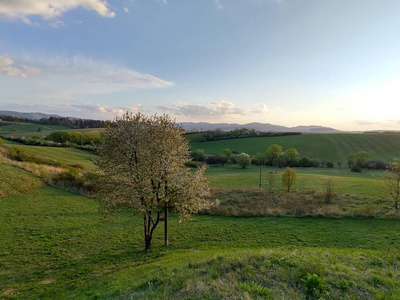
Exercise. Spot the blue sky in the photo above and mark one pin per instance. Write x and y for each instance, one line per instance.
(286, 62)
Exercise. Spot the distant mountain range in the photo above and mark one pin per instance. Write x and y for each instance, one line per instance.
(30, 116)
(264, 127)
(202, 126)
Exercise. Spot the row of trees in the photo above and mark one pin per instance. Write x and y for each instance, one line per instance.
(273, 156)
(362, 160)
(62, 121)
(216, 135)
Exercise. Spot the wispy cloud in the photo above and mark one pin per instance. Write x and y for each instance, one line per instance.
(218, 3)
(367, 123)
(126, 9)
(8, 67)
(21, 10)
(217, 109)
(79, 75)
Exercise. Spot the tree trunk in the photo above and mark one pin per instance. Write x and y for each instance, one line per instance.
(166, 224)
(147, 234)
(147, 242)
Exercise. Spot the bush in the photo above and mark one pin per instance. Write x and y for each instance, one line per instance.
(212, 160)
(1, 141)
(305, 162)
(315, 286)
(193, 164)
(198, 155)
(222, 159)
(329, 164)
(356, 169)
(377, 165)
(244, 160)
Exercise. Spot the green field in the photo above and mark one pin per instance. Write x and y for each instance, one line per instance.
(346, 182)
(332, 147)
(55, 245)
(22, 128)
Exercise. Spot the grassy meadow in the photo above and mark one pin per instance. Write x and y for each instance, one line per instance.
(55, 245)
(29, 128)
(66, 156)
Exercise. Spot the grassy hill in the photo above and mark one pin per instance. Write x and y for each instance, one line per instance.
(333, 147)
(55, 245)
(66, 156)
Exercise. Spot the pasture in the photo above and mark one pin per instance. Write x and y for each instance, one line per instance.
(55, 245)
(31, 128)
(331, 147)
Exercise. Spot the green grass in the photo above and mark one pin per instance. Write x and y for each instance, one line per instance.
(332, 147)
(68, 156)
(19, 128)
(14, 181)
(55, 246)
(309, 179)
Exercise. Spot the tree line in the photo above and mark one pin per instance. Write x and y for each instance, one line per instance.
(74, 123)
(217, 135)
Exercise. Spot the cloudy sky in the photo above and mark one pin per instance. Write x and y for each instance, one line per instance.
(286, 62)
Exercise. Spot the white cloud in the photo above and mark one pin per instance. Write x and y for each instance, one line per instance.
(126, 9)
(79, 75)
(220, 108)
(8, 67)
(49, 9)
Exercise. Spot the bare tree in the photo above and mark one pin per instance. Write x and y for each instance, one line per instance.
(329, 192)
(142, 168)
(390, 183)
(271, 181)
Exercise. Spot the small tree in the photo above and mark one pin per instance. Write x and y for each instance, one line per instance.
(291, 157)
(328, 189)
(222, 159)
(289, 178)
(390, 183)
(227, 152)
(272, 153)
(142, 169)
(243, 160)
(271, 181)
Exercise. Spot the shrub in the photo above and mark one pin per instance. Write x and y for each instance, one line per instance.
(329, 164)
(193, 164)
(305, 162)
(198, 155)
(244, 160)
(356, 169)
(212, 160)
(329, 192)
(222, 159)
(315, 286)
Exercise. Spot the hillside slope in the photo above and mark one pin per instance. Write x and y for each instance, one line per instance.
(334, 147)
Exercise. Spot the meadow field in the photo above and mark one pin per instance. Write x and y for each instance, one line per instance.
(18, 129)
(55, 244)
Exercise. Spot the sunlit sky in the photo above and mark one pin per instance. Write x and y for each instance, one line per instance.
(286, 62)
